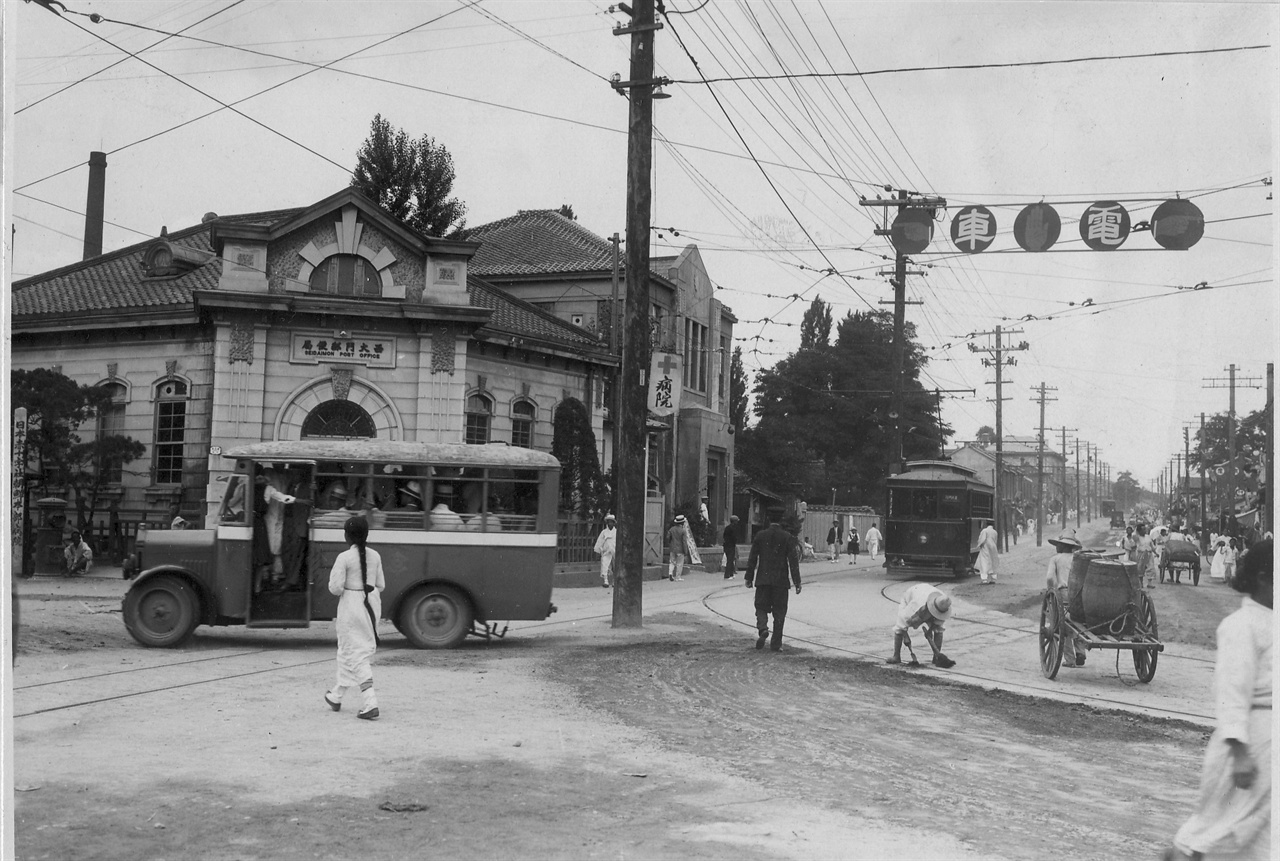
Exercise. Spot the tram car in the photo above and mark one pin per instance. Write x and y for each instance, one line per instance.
(935, 511)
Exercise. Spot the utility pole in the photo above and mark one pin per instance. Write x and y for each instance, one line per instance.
(1042, 389)
(998, 361)
(1270, 453)
(1077, 483)
(615, 347)
(633, 402)
(904, 200)
(1204, 502)
(1063, 430)
(1232, 383)
(1090, 451)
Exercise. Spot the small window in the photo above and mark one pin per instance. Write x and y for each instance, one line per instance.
(479, 418)
(576, 319)
(338, 420)
(522, 414)
(346, 275)
(171, 431)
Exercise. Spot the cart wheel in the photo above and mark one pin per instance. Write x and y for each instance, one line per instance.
(1050, 635)
(1144, 660)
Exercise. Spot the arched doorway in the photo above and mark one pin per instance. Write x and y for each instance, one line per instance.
(338, 420)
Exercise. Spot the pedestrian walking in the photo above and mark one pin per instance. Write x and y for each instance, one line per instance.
(357, 577)
(988, 552)
(606, 546)
(853, 542)
(1145, 556)
(1232, 818)
(1057, 579)
(775, 557)
(1229, 556)
(873, 540)
(677, 548)
(922, 605)
(729, 541)
(835, 540)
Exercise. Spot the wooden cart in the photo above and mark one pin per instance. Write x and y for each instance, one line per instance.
(1135, 629)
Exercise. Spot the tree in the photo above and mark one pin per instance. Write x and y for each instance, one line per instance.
(738, 396)
(410, 179)
(56, 408)
(1127, 491)
(986, 435)
(815, 328)
(829, 405)
(573, 443)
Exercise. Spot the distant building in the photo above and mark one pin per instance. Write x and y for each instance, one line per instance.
(560, 267)
(331, 320)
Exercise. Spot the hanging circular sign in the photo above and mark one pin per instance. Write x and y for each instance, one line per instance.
(1037, 227)
(1177, 224)
(1104, 226)
(911, 231)
(973, 229)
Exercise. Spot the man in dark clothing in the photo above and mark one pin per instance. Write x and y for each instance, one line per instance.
(729, 540)
(775, 554)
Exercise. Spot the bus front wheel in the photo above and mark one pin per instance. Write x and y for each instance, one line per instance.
(162, 612)
(436, 617)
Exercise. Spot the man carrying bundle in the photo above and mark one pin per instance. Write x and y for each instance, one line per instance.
(922, 605)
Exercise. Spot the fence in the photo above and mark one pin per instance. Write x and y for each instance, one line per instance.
(576, 541)
(818, 519)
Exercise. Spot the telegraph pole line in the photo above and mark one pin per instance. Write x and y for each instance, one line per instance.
(1077, 484)
(1232, 383)
(1063, 431)
(998, 361)
(1204, 499)
(632, 379)
(1043, 390)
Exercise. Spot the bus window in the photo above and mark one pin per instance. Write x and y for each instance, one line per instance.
(513, 497)
(924, 505)
(232, 510)
(949, 505)
(453, 491)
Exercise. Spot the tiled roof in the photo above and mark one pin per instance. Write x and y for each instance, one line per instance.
(540, 242)
(518, 317)
(114, 281)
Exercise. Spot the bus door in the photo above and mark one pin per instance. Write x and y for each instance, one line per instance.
(284, 496)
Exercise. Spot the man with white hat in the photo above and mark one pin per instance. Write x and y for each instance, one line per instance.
(606, 545)
(927, 605)
(677, 547)
(1058, 578)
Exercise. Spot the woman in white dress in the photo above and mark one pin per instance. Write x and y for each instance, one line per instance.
(1233, 814)
(357, 577)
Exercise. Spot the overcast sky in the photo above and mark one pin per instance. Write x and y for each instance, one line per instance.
(518, 92)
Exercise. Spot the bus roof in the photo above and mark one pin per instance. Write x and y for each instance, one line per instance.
(380, 450)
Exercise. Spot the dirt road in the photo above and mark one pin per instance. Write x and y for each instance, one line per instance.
(675, 741)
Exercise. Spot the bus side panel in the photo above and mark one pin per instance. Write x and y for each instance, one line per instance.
(518, 583)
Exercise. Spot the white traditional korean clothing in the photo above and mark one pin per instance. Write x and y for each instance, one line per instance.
(357, 639)
(987, 554)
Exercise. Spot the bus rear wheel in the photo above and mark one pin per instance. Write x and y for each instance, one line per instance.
(162, 612)
(435, 617)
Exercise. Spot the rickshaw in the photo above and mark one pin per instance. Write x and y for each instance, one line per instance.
(1114, 614)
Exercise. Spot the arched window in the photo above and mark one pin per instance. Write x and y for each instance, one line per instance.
(522, 416)
(479, 417)
(338, 420)
(111, 422)
(346, 275)
(171, 431)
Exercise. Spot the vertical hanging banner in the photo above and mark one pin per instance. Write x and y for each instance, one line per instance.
(1104, 226)
(665, 384)
(973, 229)
(18, 491)
(1037, 227)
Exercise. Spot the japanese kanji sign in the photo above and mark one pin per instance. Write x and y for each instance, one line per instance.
(1037, 227)
(973, 229)
(664, 384)
(18, 476)
(354, 348)
(1177, 224)
(1104, 226)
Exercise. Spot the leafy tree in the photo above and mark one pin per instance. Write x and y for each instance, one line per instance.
(738, 397)
(986, 435)
(1209, 448)
(582, 487)
(829, 405)
(410, 179)
(1127, 491)
(815, 328)
(56, 408)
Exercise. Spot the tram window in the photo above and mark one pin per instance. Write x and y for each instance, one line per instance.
(949, 505)
(924, 504)
(979, 505)
(513, 497)
(232, 510)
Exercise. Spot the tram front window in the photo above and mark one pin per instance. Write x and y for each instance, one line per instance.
(924, 505)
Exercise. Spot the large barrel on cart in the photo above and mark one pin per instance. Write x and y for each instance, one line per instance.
(1106, 608)
(1179, 557)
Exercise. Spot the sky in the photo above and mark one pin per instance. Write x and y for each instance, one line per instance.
(1001, 104)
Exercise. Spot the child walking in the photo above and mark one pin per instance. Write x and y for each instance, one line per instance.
(357, 577)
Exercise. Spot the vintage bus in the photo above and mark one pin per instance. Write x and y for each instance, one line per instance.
(936, 509)
(467, 535)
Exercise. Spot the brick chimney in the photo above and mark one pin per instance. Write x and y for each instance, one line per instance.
(94, 203)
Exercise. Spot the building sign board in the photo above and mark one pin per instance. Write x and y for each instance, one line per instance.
(316, 347)
(664, 384)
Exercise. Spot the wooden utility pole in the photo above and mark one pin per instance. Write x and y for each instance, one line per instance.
(1077, 483)
(1063, 431)
(1204, 500)
(997, 359)
(1270, 452)
(633, 410)
(1042, 389)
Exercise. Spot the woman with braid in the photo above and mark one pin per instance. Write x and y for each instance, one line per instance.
(357, 577)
